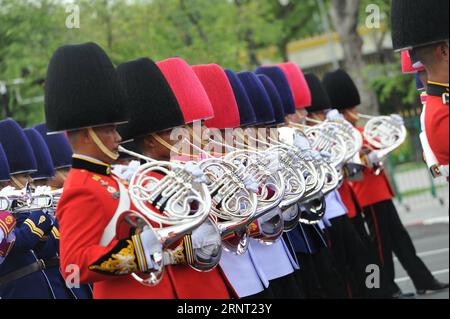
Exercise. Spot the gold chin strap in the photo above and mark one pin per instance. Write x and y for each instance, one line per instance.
(171, 148)
(353, 115)
(101, 146)
(163, 142)
(17, 182)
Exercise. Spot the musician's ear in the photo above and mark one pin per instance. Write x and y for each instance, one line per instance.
(148, 142)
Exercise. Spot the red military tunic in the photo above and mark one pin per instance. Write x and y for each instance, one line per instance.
(436, 121)
(348, 198)
(372, 188)
(87, 205)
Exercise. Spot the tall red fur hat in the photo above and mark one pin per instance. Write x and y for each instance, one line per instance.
(407, 65)
(298, 84)
(220, 93)
(191, 96)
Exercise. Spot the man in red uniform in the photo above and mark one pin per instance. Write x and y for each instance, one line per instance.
(83, 97)
(429, 43)
(154, 111)
(374, 194)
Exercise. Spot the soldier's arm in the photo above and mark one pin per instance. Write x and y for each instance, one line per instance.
(82, 221)
(34, 230)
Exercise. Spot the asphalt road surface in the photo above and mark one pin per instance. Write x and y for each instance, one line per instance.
(432, 245)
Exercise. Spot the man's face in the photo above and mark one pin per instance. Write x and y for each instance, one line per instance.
(162, 151)
(19, 181)
(319, 116)
(298, 117)
(60, 177)
(351, 115)
(110, 138)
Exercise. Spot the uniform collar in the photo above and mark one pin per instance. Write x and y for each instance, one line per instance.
(438, 89)
(90, 164)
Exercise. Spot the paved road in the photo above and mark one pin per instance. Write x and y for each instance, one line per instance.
(432, 245)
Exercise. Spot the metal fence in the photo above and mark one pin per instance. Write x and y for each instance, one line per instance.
(408, 173)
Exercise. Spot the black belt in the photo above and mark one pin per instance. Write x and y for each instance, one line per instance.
(41, 264)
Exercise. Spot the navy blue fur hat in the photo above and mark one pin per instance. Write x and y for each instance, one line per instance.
(246, 112)
(59, 147)
(258, 97)
(281, 82)
(44, 160)
(4, 166)
(275, 98)
(18, 150)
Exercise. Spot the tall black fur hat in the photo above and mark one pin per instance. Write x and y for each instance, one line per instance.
(150, 103)
(341, 90)
(320, 99)
(418, 22)
(82, 89)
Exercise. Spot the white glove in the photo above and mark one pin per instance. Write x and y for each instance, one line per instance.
(273, 162)
(397, 118)
(153, 249)
(8, 190)
(373, 158)
(42, 190)
(334, 115)
(301, 142)
(194, 169)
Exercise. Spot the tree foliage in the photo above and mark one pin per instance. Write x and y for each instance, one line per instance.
(228, 32)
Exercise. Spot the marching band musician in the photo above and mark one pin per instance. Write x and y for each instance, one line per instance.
(308, 241)
(244, 275)
(7, 220)
(220, 91)
(154, 111)
(28, 271)
(379, 211)
(333, 82)
(92, 195)
(49, 250)
(346, 246)
(428, 42)
(278, 259)
(61, 155)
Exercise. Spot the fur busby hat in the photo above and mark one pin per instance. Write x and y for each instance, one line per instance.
(341, 90)
(258, 97)
(246, 112)
(275, 99)
(17, 148)
(220, 93)
(277, 76)
(189, 91)
(42, 155)
(297, 82)
(320, 100)
(407, 64)
(4, 167)
(417, 23)
(150, 103)
(59, 147)
(82, 89)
